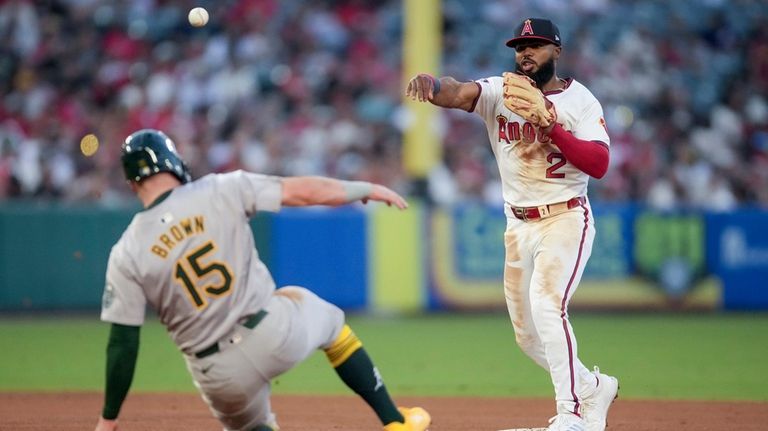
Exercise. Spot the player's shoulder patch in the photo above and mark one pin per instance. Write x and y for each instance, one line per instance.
(108, 297)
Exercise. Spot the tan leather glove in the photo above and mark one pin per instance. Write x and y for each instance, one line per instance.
(523, 98)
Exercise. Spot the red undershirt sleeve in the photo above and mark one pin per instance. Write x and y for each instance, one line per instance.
(591, 157)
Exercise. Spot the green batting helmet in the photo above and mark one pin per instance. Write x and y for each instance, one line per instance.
(148, 152)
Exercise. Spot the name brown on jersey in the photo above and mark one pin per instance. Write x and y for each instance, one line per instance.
(177, 233)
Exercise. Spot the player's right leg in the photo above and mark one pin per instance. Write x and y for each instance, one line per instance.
(518, 266)
(355, 368)
(324, 328)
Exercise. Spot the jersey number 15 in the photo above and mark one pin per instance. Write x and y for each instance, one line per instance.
(198, 283)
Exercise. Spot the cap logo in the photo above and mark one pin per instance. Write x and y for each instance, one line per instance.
(527, 29)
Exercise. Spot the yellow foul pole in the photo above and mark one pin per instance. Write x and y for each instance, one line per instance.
(422, 52)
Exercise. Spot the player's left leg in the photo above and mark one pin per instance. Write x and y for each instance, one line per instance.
(234, 390)
(235, 381)
(564, 248)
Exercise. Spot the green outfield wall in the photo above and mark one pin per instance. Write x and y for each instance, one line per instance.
(53, 257)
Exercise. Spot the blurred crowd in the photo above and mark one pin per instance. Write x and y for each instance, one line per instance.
(292, 87)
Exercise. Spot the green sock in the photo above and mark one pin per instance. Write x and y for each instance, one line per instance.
(361, 376)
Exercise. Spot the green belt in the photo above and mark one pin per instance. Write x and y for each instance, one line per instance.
(250, 323)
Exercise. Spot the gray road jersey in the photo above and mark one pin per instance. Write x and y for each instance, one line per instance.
(192, 258)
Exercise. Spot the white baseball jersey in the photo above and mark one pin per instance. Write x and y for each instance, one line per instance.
(191, 256)
(533, 170)
(545, 258)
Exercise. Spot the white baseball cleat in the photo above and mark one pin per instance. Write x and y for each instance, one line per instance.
(561, 422)
(566, 422)
(595, 407)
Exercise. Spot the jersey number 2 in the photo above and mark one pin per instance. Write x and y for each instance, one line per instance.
(551, 171)
(196, 290)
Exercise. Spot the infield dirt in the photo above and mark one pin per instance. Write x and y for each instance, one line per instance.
(187, 412)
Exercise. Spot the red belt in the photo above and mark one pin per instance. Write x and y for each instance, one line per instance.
(533, 213)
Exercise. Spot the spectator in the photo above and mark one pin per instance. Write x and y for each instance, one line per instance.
(288, 87)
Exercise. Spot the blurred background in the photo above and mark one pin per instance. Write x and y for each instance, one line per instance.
(316, 88)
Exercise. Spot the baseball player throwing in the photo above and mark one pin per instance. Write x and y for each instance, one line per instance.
(549, 137)
(190, 255)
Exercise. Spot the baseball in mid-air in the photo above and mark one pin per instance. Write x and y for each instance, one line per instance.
(89, 145)
(198, 17)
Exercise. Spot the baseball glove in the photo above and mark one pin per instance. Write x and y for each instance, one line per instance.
(523, 98)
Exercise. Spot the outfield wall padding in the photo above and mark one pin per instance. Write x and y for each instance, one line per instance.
(53, 257)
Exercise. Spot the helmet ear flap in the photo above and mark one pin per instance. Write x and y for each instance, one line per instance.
(185, 176)
(148, 152)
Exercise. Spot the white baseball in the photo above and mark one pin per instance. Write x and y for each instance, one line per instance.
(198, 17)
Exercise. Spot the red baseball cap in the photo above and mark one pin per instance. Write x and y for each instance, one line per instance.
(535, 28)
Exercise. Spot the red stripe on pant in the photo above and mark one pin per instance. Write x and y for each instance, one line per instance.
(563, 307)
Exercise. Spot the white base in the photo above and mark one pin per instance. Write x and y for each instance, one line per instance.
(525, 429)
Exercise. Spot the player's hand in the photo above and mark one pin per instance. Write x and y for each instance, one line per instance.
(106, 424)
(421, 87)
(522, 97)
(383, 194)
